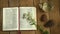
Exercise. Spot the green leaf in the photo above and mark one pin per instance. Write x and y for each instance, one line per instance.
(41, 29)
(45, 32)
(32, 24)
(24, 15)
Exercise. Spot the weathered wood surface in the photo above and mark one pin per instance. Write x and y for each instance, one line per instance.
(54, 14)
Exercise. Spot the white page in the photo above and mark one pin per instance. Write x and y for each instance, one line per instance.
(24, 25)
(10, 18)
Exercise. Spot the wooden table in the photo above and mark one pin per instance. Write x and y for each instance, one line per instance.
(54, 14)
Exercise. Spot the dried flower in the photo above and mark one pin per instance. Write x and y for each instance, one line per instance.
(50, 23)
(43, 18)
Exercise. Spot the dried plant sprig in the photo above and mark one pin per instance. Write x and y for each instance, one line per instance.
(29, 18)
(32, 21)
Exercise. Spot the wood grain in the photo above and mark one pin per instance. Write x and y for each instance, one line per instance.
(26, 3)
(27, 32)
(14, 32)
(3, 3)
(13, 3)
(54, 14)
(1, 32)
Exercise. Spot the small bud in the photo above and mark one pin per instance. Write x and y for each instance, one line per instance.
(50, 23)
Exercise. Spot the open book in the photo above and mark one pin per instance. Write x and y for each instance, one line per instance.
(22, 18)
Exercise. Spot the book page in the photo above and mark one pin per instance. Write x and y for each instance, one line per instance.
(27, 18)
(10, 18)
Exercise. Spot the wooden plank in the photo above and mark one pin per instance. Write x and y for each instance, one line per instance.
(26, 3)
(1, 32)
(13, 32)
(3, 3)
(54, 15)
(59, 7)
(28, 32)
(1, 16)
(13, 3)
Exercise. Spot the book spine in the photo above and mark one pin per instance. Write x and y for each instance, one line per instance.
(19, 21)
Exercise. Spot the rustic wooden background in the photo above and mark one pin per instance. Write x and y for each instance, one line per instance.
(54, 14)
